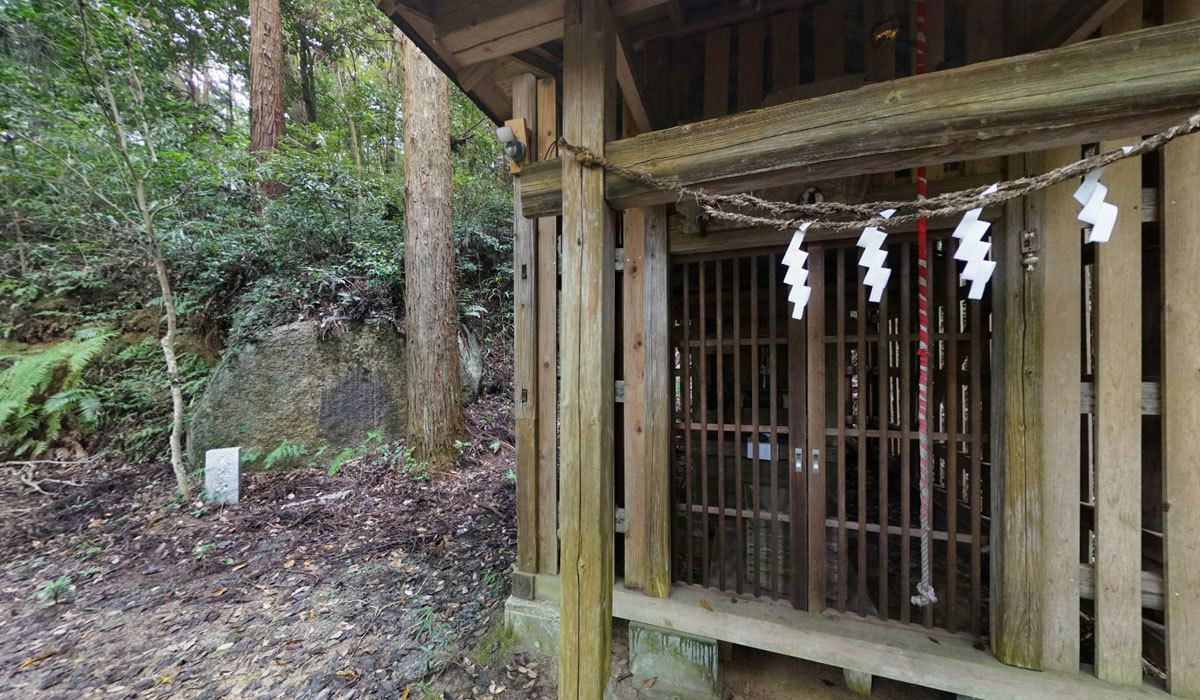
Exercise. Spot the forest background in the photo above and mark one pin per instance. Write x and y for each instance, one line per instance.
(81, 312)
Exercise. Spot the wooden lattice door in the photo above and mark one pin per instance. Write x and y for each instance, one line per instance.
(863, 464)
(741, 505)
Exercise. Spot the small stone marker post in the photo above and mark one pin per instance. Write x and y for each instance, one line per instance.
(222, 474)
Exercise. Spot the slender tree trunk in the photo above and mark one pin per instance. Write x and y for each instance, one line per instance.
(308, 93)
(146, 215)
(434, 410)
(266, 83)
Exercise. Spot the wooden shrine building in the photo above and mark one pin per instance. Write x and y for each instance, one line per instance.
(692, 457)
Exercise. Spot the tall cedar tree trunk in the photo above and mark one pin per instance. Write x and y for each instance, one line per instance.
(434, 411)
(266, 83)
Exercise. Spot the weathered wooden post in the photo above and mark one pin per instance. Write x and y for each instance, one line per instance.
(587, 400)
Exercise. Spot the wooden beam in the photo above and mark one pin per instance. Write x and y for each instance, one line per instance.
(1118, 424)
(1107, 88)
(1074, 22)
(587, 401)
(657, 398)
(633, 336)
(1181, 398)
(472, 32)
(547, 308)
(629, 78)
(525, 351)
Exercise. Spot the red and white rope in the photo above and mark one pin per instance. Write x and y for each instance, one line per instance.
(925, 594)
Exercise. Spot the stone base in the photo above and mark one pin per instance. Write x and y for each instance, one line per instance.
(683, 666)
(534, 624)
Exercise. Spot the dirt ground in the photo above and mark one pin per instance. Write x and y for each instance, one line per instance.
(390, 591)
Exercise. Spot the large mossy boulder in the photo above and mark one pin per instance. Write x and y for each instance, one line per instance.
(311, 392)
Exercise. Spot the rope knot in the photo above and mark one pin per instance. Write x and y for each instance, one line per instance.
(925, 595)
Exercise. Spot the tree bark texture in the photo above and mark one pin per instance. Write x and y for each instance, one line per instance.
(266, 82)
(434, 412)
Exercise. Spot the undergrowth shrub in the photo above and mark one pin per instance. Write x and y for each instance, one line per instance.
(41, 393)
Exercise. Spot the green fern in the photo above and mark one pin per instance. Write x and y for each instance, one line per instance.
(40, 392)
(285, 451)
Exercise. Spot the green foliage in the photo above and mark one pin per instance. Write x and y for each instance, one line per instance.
(331, 247)
(51, 591)
(286, 451)
(41, 395)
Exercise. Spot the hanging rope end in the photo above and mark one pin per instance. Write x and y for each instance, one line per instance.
(925, 596)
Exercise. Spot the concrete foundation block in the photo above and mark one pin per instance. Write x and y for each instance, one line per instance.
(683, 666)
(857, 681)
(534, 624)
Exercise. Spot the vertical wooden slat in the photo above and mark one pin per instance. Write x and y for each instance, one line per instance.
(798, 469)
(935, 54)
(985, 41)
(882, 484)
(975, 413)
(656, 375)
(656, 69)
(750, 65)
(755, 416)
(525, 350)
(702, 286)
(776, 549)
(633, 335)
(881, 55)
(829, 49)
(906, 391)
(785, 50)
(1118, 459)
(688, 417)
(1060, 418)
(860, 419)
(1181, 398)
(547, 333)
(716, 72)
(585, 628)
(720, 348)
(952, 321)
(840, 417)
(738, 441)
(815, 505)
(931, 391)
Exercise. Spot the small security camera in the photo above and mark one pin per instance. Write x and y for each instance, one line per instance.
(513, 148)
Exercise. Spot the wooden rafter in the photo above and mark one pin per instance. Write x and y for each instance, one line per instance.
(1107, 88)
(628, 77)
(472, 33)
(1074, 22)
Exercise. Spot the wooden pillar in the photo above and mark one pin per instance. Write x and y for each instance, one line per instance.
(657, 395)
(1181, 398)
(1060, 268)
(1118, 458)
(1036, 620)
(525, 356)
(587, 399)
(547, 328)
(647, 402)
(632, 315)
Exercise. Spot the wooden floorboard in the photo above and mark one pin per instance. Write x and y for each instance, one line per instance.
(944, 663)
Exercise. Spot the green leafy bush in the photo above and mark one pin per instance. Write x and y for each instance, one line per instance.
(41, 393)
